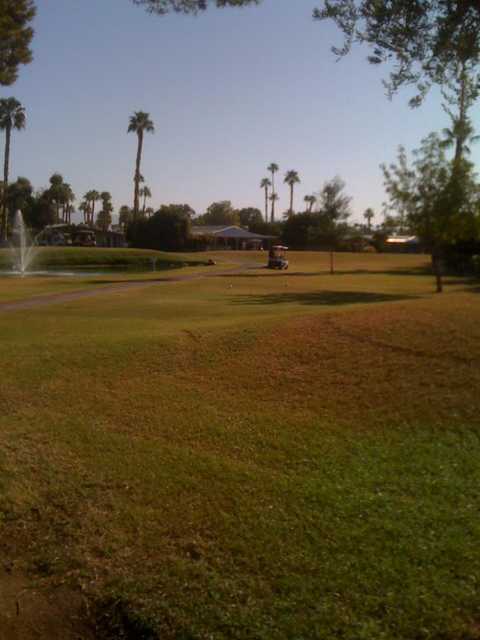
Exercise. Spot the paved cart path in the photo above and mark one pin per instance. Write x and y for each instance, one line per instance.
(120, 287)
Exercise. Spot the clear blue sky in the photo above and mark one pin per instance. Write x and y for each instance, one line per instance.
(229, 91)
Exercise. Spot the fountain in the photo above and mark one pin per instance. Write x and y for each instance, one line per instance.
(23, 247)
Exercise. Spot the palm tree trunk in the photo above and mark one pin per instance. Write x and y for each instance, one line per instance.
(291, 199)
(8, 133)
(266, 204)
(272, 215)
(137, 176)
(144, 203)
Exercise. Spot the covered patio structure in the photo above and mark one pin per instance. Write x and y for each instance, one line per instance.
(231, 237)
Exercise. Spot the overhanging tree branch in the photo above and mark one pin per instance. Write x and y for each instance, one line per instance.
(162, 7)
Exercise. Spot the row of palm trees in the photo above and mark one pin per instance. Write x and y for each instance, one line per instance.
(268, 185)
(292, 178)
(87, 206)
(61, 196)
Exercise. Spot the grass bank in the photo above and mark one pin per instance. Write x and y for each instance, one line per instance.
(85, 257)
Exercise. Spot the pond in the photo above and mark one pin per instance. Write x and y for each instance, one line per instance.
(85, 271)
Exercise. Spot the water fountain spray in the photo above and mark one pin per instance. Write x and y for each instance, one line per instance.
(23, 246)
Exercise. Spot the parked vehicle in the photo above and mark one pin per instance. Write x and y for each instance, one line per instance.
(277, 257)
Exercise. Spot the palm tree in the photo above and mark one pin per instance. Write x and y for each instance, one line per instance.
(104, 217)
(145, 193)
(310, 200)
(273, 168)
(291, 178)
(273, 198)
(69, 199)
(56, 193)
(84, 207)
(91, 197)
(139, 123)
(12, 116)
(265, 184)
(369, 215)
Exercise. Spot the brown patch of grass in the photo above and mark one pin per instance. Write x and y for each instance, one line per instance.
(30, 610)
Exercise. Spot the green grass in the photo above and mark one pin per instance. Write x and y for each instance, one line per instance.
(85, 257)
(259, 455)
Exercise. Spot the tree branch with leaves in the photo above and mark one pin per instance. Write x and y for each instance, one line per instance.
(425, 41)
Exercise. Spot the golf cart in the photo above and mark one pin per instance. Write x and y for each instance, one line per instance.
(277, 257)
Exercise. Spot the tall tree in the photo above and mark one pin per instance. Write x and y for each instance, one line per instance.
(273, 168)
(250, 217)
(91, 197)
(16, 35)
(334, 210)
(266, 184)
(423, 41)
(41, 211)
(291, 178)
(333, 202)
(369, 215)
(145, 193)
(140, 123)
(19, 197)
(69, 199)
(273, 199)
(310, 200)
(161, 7)
(460, 93)
(220, 213)
(104, 217)
(440, 199)
(12, 116)
(57, 193)
(84, 207)
(124, 216)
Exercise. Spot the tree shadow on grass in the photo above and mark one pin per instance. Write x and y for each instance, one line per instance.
(419, 271)
(321, 298)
